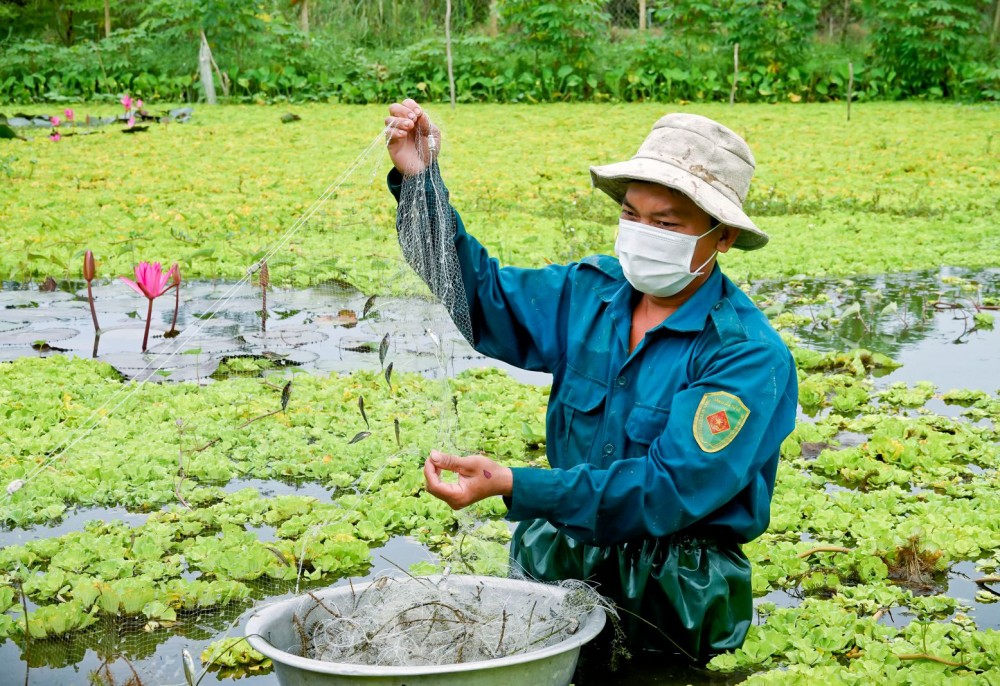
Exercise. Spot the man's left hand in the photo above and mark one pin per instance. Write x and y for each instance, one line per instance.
(478, 477)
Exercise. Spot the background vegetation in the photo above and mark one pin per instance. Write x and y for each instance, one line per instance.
(354, 51)
(902, 186)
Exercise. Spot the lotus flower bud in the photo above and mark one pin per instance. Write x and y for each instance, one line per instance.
(175, 273)
(265, 275)
(89, 267)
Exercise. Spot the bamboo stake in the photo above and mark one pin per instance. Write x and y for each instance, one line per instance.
(205, 67)
(850, 87)
(736, 72)
(107, 18)
(447, 40)
(642, 15)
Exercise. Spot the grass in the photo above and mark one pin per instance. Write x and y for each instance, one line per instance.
(902, 186)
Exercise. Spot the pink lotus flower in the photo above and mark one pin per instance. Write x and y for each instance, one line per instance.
(55, 137)
(55, 121)
(138, 104)
(69, 114)
(130, 123)
(126, 101)
(151, 282)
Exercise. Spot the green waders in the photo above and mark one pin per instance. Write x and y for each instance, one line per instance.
(678, 594)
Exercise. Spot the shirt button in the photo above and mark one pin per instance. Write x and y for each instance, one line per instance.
(621, 380)
(609, 449)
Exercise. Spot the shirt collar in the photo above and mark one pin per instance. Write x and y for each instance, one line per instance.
(690, 316)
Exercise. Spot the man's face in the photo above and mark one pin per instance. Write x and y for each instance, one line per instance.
(669, 210)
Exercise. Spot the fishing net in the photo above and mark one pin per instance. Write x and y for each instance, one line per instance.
(426, 229)
(423, 621)
(267, 442)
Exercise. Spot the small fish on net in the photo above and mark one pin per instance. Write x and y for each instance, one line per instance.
(423, 621)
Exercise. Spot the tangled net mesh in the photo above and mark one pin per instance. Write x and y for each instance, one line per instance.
(428, 621)
(425, 227)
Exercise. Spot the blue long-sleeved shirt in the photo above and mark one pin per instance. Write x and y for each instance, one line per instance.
(682, 435)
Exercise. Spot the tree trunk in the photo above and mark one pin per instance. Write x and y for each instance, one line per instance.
(642, 15)
(107, 18)
(995, 34)
(304, 17)
(495, 15)
(736, 72)
(205, 67)
(447, 41)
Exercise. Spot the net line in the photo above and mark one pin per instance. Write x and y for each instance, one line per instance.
(439, 272)
(158, 362)
(426, 227)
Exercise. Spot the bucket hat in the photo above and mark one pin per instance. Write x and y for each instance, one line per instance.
(698, 157)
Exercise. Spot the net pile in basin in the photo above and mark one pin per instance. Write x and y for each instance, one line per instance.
(426, 621)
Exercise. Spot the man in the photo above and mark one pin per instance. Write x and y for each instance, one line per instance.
(671, 393)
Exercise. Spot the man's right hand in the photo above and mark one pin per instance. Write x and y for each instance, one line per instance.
(413, 141)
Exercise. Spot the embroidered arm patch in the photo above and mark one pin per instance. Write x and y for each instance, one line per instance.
(718, 420)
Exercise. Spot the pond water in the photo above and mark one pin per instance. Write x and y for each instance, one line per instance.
(923, 320)
(321, 329)
(335, 329)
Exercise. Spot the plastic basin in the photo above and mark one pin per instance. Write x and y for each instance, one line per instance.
(270, 631)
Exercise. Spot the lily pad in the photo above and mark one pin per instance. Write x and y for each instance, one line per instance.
(137, 361)
(181, 114)
(10, 299)
(30, 336)
(207, 345)
(242, 305)
(6, 132)
(278, 339)
(296, 357)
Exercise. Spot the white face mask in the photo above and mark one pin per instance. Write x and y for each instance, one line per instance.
(657, 261)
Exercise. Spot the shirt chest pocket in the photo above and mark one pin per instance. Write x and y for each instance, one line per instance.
(583, 401)
(644, 425)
